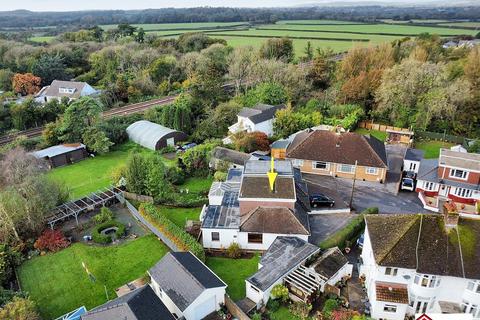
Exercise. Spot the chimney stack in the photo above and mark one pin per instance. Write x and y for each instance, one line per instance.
(450, 214)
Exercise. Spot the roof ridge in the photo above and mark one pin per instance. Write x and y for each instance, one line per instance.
(186, 270)
(297, 220)
(301, 143)
(371, 148)
(399, 238)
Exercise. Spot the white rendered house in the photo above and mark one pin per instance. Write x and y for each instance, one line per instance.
(59, 89)
(415, 264)
(186, 286)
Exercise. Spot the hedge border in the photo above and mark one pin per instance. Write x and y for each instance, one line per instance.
(104, 239)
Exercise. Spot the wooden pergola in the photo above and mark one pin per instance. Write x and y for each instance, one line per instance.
(88, 203)
(300, 280)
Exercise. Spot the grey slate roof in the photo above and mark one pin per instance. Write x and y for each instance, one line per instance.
(57, 150)
(233, 156)
(53, 90)
(183, 278)
(330, 262)
(285, 254)
(280, 144)
(260, 112)
(414, 154)
(140, 304)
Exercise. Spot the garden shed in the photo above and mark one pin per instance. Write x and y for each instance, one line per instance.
(154, 136)
(63, 154)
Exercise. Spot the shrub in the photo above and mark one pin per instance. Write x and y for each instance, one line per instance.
(104, 216)
(175, 175)
(167, 149)
(273, 305)
(300, 309)
(256, 316)
(19, 309)
(51, 240)
(182, 240)
(220, 176)
(98, 237)
(280, 292)
(372, 210)
(234, 251)
(329, 306)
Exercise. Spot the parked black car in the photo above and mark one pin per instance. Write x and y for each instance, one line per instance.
(321, 200)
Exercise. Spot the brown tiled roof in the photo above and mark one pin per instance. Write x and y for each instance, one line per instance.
(259, 187)
(278, 220)
(423, 243)
(391, 292)
(346, 148)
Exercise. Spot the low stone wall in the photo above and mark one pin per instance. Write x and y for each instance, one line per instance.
(137, 197)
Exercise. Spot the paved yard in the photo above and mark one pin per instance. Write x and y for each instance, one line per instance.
(395, 155)
(323, 226)
(340, 203)
(369, 194)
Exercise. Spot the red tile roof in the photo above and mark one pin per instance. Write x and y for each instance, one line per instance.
(391, 292)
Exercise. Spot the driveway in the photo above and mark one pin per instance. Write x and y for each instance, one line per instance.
(395, 155)
(323, 226)
(340, 204)
(367, 194)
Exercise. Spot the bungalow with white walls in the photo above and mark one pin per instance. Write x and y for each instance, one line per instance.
(414, 264)
(59, 89)
(186, 286)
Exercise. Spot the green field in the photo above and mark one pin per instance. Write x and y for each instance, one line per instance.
(177, 26)
(92, 174)
(42, 39)
(462, 24)
(316, 22)
(58, 283)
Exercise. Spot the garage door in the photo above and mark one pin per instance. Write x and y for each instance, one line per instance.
(205, 308)
(171, 142)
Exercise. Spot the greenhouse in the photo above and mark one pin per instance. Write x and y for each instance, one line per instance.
(154, 136)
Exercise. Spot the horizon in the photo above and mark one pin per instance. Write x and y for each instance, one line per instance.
(95, 5)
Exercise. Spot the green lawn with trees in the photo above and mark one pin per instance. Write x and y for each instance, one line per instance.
(432, 147)
(59, 284)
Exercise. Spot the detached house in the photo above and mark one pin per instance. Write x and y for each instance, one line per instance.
(344, 155)
(454, 176)
(59, 89)
(257, 118)
(415, 264)
(186, 286)
(245, 210)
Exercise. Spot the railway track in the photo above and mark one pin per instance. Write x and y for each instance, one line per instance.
(121, 111)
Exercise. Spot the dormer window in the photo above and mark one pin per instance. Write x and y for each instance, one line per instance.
(427, 281)
(458, 174)
(66, 90)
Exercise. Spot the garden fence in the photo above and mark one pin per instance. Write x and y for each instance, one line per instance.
(152, 228)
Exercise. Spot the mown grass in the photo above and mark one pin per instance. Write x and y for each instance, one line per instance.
(380, 135)
(234, 272)
(42, 39)
(179, 216)
(432, 147)
(92, 174)
(58, 283)
(197, 184)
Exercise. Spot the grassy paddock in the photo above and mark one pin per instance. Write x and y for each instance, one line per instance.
(58, 283)
(234, 272)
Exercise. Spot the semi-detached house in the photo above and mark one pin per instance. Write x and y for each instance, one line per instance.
(345, 155)
(454, 176)
(414, 264)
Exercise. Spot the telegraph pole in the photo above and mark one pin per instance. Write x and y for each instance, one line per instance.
(353, 184)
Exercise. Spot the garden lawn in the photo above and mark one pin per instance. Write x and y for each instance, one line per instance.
(380, 135)
(234, 272)
(92, 174)
(432, 147)
(198, 184)
(282, 314)
(58, 283)
(179, 216)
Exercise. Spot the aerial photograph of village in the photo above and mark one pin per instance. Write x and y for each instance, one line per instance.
(263, 160)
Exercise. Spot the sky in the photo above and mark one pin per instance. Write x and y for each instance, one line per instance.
(65, 5)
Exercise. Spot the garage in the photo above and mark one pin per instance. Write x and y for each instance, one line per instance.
(205, 308)
(154, 136)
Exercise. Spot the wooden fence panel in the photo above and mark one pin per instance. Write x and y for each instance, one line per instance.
(235, 310)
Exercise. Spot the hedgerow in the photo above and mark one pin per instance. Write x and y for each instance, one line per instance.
(177, 235)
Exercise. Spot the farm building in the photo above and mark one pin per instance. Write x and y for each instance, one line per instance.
(62, 154)
(154, 136)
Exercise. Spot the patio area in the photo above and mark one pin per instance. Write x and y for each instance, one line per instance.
(431, 203)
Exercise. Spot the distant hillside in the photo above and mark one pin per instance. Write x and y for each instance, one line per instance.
(28, 19)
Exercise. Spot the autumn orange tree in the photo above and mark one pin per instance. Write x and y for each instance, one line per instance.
(26, 83)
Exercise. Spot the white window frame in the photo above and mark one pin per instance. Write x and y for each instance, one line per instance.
(429, 186)
(390, 308)
(413, 166)
(315, 163)
(217, 233)
(453, 172)
(391, 271)
(371, 170)
(339, 168)
(427, 281)
(297, 162)
(463, 192)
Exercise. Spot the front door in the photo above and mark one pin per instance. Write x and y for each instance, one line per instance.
(443, 192)
(171, 142)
